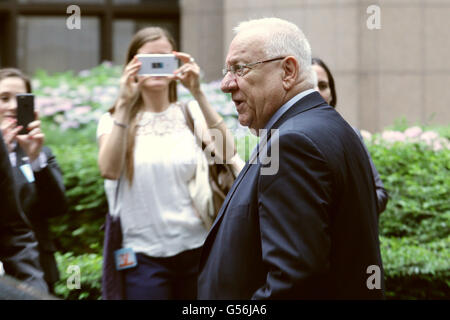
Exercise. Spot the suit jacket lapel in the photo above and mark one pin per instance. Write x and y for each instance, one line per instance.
(230, 193)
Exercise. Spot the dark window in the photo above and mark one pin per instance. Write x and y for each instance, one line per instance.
(34, 34)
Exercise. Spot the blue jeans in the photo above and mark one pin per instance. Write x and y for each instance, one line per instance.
(168, 278)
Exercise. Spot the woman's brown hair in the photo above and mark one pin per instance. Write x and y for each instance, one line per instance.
(13, 72)
(139, 39)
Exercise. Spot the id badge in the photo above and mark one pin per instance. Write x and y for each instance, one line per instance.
(125, 258)
(27, 172)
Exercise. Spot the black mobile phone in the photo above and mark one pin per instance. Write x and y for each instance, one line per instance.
(25, 110)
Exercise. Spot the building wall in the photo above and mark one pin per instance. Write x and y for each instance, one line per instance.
(202, 32)
(46, 43)
(400, 70)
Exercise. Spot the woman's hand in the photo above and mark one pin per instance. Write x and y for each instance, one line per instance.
(9, 132)
(188, 73)
(32, 142)
(130, 83)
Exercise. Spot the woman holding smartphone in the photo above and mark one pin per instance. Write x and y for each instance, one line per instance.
(37, 176)
(148, 155)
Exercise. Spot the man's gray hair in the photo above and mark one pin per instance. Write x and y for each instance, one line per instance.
(284, 38)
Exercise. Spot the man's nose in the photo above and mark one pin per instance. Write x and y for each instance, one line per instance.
(228, 83)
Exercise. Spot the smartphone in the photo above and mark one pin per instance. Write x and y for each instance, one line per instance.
(25, 111)
(157, 64)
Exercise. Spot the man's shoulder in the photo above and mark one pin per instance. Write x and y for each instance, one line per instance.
(310, 123)
(320, 120)
(320, 130)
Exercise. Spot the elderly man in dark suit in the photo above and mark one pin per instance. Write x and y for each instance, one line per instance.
(300, 221)
(18, 247)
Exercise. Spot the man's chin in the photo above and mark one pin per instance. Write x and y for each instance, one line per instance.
(249, 124)
(244, 121)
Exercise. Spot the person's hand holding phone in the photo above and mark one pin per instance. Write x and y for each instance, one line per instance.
(188, 73)
(10, 130)
(130, 83)
(33, 141)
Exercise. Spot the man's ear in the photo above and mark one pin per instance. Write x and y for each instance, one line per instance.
(290, 72)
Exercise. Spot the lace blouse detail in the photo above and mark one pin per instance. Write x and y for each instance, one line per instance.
(162, 123)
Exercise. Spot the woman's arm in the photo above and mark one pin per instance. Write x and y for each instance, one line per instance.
(224, 145)
(113, 145)
(189, 75)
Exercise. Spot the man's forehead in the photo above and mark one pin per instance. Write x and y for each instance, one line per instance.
(245, 45)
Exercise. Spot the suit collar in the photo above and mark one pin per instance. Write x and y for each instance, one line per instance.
(285, 107)
(306, 103)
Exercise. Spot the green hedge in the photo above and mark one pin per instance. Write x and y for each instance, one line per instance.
(79, 230)
(414, 270)
(90, 267)
(418, 182)
(414, 229)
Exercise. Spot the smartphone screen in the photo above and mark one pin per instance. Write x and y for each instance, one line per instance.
(157, 64)
(25, 110)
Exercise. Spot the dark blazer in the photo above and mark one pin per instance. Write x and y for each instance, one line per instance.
(18, 246)
(309, 231)
(382, 194)
(43, 199)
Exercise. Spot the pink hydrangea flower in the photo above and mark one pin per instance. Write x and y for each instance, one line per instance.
(413, 132)
(428, 137)
(437, 146)
(82, 110)
(48, 111)
(393, 136)
(48, 106)
(64, 105)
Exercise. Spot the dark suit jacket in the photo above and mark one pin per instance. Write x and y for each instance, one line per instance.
(18, 246)
(41, 200)
(382, 194)
(309, 231)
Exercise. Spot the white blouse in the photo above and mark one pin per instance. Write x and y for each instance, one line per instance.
(156, 211)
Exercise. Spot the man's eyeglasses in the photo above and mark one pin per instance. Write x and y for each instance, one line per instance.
(239, 69)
